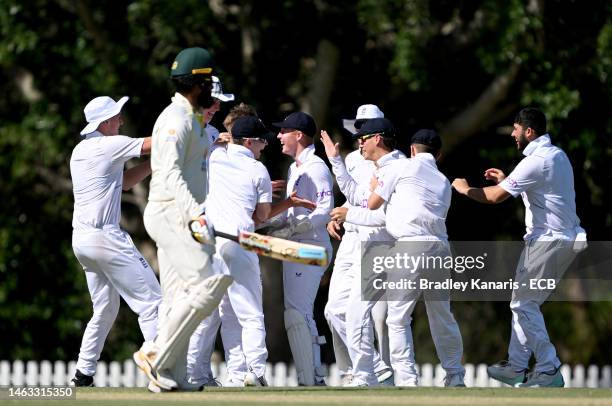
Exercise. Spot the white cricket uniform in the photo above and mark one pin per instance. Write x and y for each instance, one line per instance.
(359, 330)
(177, 193)
(418, 197)
(545, 181)
(113, 265)
(360, 223)
(238, 183)
(202, 341)
(312, 180)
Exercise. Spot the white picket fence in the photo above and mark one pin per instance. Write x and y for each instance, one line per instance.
(117, 374)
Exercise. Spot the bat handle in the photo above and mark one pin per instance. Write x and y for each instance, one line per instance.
(225, 235)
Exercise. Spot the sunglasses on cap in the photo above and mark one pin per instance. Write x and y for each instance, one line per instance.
(262, 140)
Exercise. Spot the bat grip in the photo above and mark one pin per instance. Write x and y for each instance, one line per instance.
(225, 235)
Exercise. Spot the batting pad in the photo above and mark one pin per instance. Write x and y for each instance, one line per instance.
(185, 316)
(300, 342)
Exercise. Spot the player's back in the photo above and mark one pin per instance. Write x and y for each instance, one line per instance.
(420, 201)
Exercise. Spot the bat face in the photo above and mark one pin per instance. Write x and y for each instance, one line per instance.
(282, 249)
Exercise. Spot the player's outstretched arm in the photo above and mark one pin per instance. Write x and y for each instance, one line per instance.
(488, 195)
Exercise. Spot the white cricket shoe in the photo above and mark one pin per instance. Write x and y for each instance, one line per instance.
(234, 383)
(552, 379)
(144, 360)
(346, 379)
(454, 380)
(408, 383)
(504, 372)
(253, 380)
(357, 383)
(385, 377)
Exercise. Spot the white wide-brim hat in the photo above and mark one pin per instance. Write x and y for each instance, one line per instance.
(99, 109)
(217, 91)
(364, 112)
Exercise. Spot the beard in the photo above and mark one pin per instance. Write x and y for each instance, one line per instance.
(522, 142)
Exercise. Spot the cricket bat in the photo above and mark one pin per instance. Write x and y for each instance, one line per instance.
(273, 247)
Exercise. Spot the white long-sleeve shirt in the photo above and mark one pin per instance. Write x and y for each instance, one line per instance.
(178, 159)
(312, 180)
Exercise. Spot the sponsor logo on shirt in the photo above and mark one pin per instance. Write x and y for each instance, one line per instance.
(324, 193)
(512, 182)
(351, 169)
(143, 262)
(364, 203)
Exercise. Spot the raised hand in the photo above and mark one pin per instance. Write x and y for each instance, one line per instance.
(331, 150)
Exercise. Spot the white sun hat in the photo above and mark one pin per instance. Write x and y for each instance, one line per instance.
(217, 91)
(364, 112)
(99, 109)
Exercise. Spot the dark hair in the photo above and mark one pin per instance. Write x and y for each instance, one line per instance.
(389, 142)
(427, 149)
(530, 117)
(241, 110)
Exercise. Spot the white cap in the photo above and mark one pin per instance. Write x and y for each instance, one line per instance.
(100, 109)
(364, 112)
(217, 91)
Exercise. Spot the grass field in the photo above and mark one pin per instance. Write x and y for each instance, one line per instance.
(341, 396)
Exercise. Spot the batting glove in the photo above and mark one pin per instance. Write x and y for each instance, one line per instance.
(202, 230)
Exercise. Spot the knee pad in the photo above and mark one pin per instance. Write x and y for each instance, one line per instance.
(186, 314)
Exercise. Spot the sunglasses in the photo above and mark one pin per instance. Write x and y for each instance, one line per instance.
(367, 136)
(262, 140)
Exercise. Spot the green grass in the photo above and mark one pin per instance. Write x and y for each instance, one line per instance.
(341, 396)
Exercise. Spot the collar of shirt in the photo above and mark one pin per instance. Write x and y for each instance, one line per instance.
(183, 102)
(541, 141)
(236, 149)
(305, 155)
(425, 157)
(391, 156)
(94, 134)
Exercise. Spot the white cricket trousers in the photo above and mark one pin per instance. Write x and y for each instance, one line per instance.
(183, 265)
(202, 342)
(245, 299)
(300, 286)
(113, 267)
(539, 260)
(346, 267)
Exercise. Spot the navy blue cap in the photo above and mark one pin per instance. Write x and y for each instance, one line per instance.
(427, 137)
(376, 126)
(299, 121)
(250, 127)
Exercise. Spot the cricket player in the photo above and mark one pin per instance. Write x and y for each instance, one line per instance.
(113, 266)
(202, 342)
(310, 178)
(418, 197)
(241, 191)
(545, 181)
(347, 263)
(191, 290)
(365, 360)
